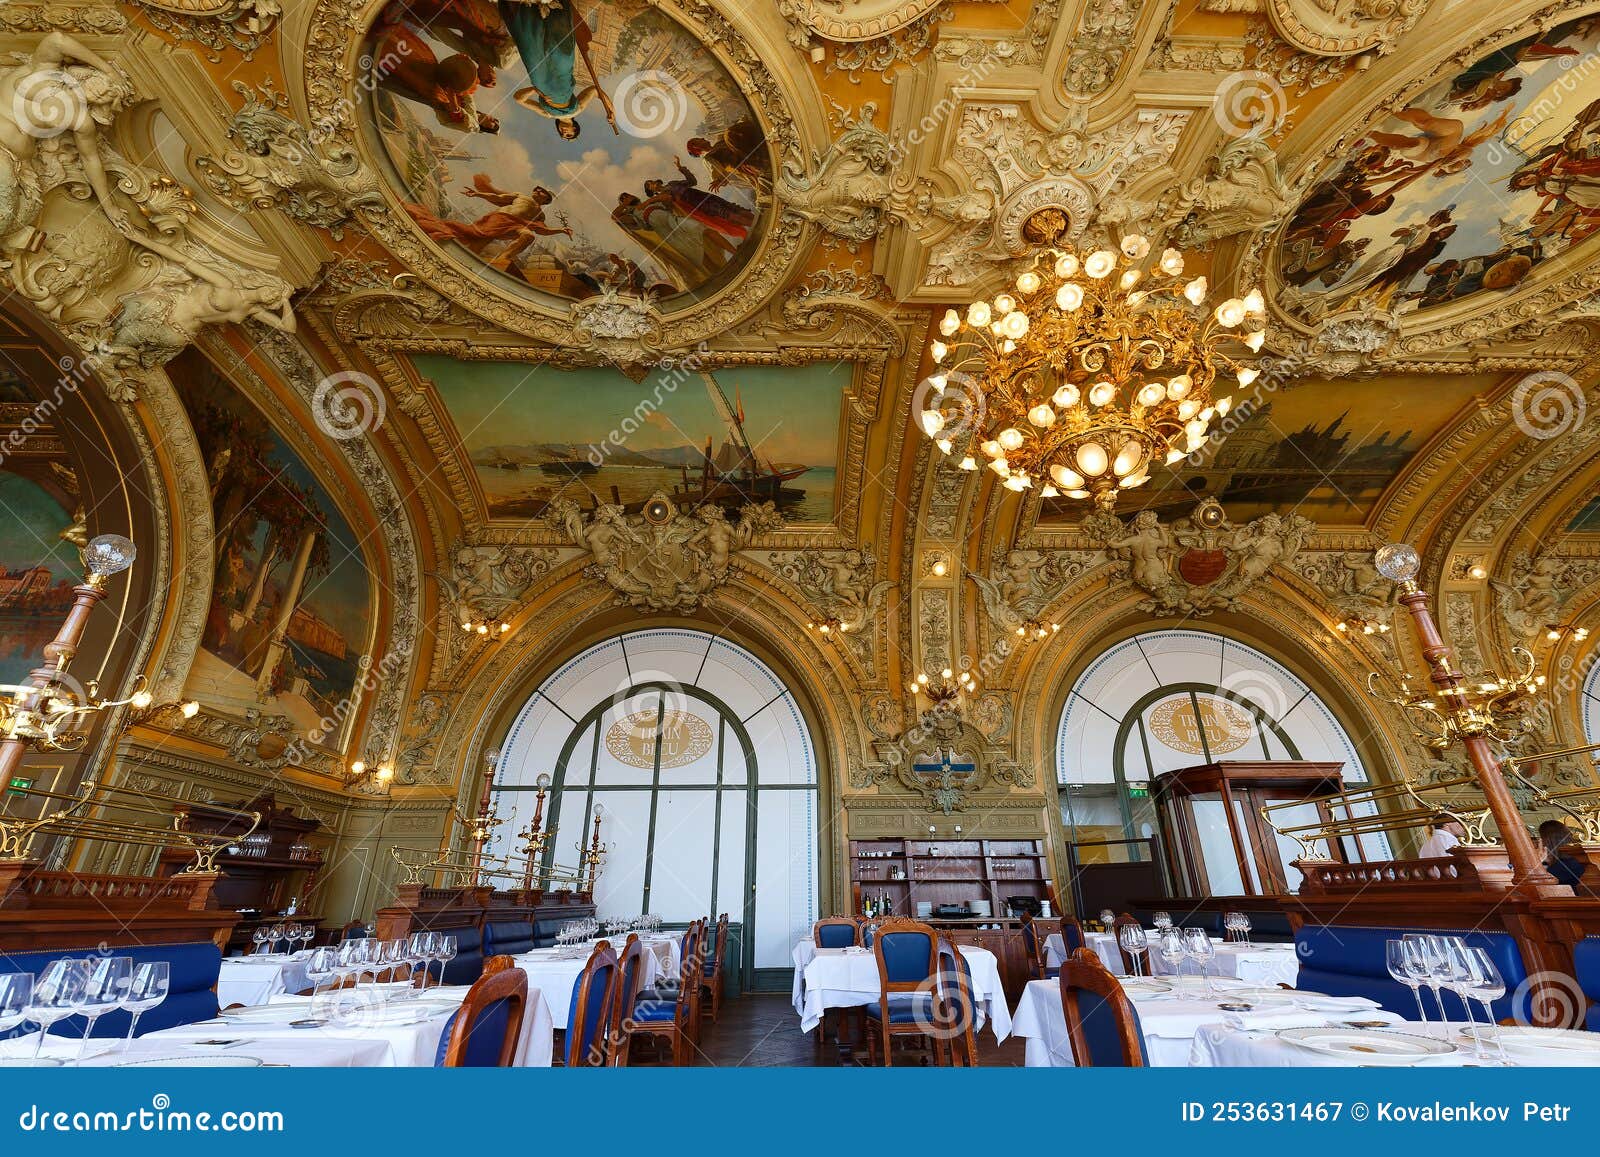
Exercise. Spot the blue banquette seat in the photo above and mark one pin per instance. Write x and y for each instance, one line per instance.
(192, 996)
(1353, 961)
(508, 938)
(1586, 963)
(467, 964)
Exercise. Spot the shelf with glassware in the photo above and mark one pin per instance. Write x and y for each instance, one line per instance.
(948, 879)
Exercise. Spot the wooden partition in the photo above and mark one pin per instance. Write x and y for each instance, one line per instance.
(42, 909)
(420, 908)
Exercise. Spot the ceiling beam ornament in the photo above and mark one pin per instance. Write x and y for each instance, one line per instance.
(215, 25)
(839, 586)
(1333, 27)
(101, 245)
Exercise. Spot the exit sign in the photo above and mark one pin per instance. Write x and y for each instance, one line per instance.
(1138, 793)
(19, 785)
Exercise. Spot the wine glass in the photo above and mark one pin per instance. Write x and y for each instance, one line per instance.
(57, 994)
(447, 953)
(1135, 943)
(1435, 967)
(1197, 946)
(259, 939)
(1405, 966)
(1161, 920)
(1170, 947)
(416, 954)
(104, 991)
(322, 964)
(16, 993)
(348, 960)
(1244, 925)
(432, 945)
(1107, 918)
(148, 987)
(1485, 984)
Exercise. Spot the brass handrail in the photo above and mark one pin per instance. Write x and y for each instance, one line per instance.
(1588, 818)
(460, 868)
(1424, 813)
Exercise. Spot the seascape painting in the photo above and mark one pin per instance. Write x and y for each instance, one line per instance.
(574, 147)
(1326, 450)
(290, 611)
(726, 436)
(1467, 189)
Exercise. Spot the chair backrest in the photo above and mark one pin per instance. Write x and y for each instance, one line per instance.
(484, 1031)
(907, 952)
(355, 930)
(1102, 1024)
(719, 946)
(1117, 926)
(494, 964)
(627, 986)
(1071, 935)
(868, 931)
(955, 1010)
(835, 932)
(589, 1016)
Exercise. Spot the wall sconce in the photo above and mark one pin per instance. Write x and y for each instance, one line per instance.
(1555, 632)
(487, 627)
(380, 774)
(1033, 630)
(1364, 626)
(828, 627)
(945, 692)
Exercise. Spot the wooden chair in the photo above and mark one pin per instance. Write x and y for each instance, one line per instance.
(714, 983)
(836, 932)
(1129, 964)
(676, 1021)
(486, 1028)
(907, 952)
(620, 1034)
(1102, 1024)
(1071, 940)
(1033, 945)
(955, 1008)
(494, 964)
(589, 1015)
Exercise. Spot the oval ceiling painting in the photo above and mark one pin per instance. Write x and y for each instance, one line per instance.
(569, 146)
(1466, 190)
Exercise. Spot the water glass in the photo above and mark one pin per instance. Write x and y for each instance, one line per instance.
(1485, 984)
(57, 994)
(1135, 943)
(16, 993)
(321, 966)
(147, 988)
(1197, 946)
(1161, 920)
(1170, 947)
(105, 990)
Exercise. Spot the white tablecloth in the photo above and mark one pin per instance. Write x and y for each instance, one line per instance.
(1102, 944)
(839, 978)
(557, 978)
(1170, 1024)
(1257, 963)
(305, 1049)
(1221, 1047)
(252, 980)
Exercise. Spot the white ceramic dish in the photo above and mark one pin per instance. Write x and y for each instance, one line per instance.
(1364, 1046)
(203, 1061)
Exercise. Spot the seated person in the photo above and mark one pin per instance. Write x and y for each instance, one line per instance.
(1567, 869)
(1441, 839)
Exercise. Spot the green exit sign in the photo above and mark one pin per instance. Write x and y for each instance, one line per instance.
(19, 785)
(1138, 793)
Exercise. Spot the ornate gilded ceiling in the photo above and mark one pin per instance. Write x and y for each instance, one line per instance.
(481, 290)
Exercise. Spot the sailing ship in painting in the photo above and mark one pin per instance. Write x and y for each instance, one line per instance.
(734, 475)
(578, 147)
(1402, 225)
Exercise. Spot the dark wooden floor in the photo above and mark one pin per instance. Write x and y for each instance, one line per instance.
(762, 1030)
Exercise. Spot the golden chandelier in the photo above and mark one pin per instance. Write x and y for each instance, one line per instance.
(1078, 383)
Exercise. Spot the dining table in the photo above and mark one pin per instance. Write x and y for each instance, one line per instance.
(256, 979)
(1102, 944)
(555, 973)
(1226, 1047)
(1173, 1012)
(377, 1026)
(848, 978)
(1254, 963)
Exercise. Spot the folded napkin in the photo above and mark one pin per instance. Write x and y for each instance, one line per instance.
(1275, 1018)
(1320, 1002)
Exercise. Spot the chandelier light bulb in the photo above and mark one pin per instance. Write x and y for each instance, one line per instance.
(932, 422)
(1247, 375)
(1178, 387)
(992, 448)
(1194, 429)
(1010, 438)
(1174, 456)
(1066, 478)
(1135, 246)
(969, 463)
(1171, 262)
(1017, 482)
(1127, 459)
(1015, 325)
(1070, 296)
(945, 445)
(1100, 263)
(1195, 291)
(950, 322)
(939, 382)
(139, 700)
(1066, 265)
(1255, 304)
(1077, 494)
(938, 350)
(1092, 459)
(1230, 313)
(1066, 396)
(994, 327)
(1224, 405)
(1001, 467)
(1004, 304)
(1101, 393)
(1049, 491)
(1255, 340)
(1028, 282)
(1042, 416)
(1008, 346)
(978, 314)
(1152, 394)
(1129, 278)
(1133, 480)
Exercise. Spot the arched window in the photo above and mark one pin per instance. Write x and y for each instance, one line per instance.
(1177, 698)
(1590, 705)
(701, 764)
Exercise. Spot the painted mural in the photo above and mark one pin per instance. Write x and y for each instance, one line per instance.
(1326, 450)
(290, 608)
(728, 436)
(572, 146)
(1587, 520)
(1466, 190)
(38, 570)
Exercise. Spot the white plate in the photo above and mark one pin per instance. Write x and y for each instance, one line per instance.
(1318, 1002)
(1365, 1046)
(267, 1013)
(204, 1061)
(30, 1063)
(1553, 1046)
(1144, 986)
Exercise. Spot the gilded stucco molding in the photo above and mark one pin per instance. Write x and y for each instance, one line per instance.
(217, 26)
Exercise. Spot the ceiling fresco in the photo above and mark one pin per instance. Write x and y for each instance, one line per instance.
(1468, 189)
(572, 151)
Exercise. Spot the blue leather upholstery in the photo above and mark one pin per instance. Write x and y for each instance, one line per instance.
(905, 956)
(1071, 938)
(1353, 961)
(507, 938)
(586, 1026)
(1100, 1032)
(467, 964)
(836, 936)
(651, 1010)
(905, 1008)
(194, 968)
(487, 1039)
(1586, 963)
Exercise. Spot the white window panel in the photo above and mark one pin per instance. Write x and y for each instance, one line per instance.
(685, 840)
(786, 887)
(625, 827)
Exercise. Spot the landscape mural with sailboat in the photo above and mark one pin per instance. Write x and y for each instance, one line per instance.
(729, 436)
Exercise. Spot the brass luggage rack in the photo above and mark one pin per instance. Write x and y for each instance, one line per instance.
(1415, 812)
(1581, 804)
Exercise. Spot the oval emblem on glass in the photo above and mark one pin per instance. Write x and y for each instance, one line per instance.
(685, 737)
(1228, 726)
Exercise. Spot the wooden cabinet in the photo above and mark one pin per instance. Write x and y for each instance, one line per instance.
(960, 873)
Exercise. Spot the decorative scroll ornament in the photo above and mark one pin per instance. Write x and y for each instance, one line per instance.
(281, 166)
(1342, 27)
(1241, 192)
(848, 190)
(662, 558)
(1023, 584)
(243, 25)
(838, 587)
(1201, 563)
(1537, 590)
